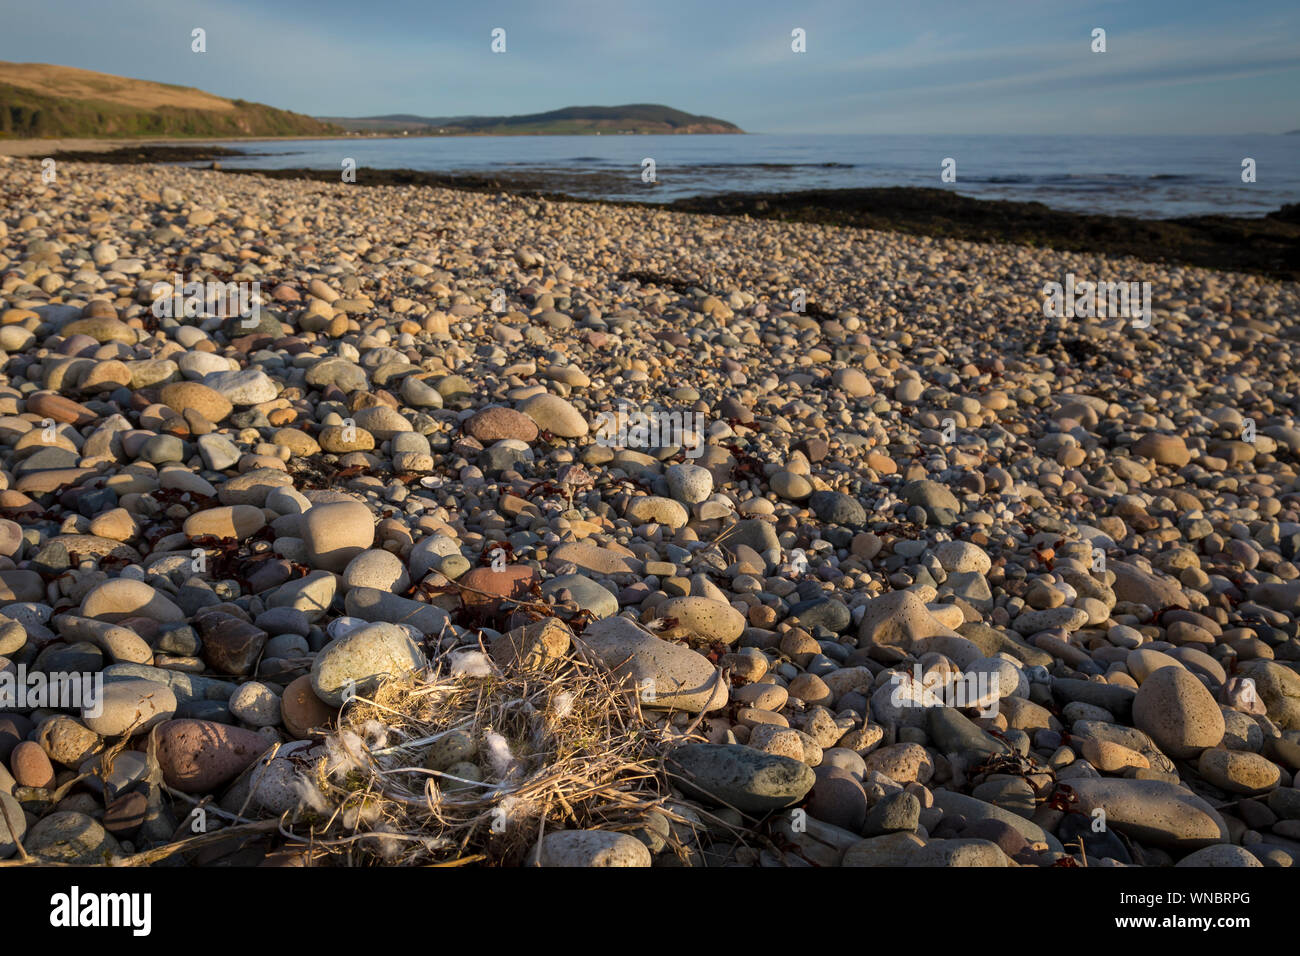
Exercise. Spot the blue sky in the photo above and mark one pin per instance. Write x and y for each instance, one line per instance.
(971, 66)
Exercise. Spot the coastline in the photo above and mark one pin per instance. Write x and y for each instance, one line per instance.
(1267, 246)
(47, 146)
(52, 146)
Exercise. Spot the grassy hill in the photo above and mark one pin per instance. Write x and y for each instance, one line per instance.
(632, 118)
(43, 100)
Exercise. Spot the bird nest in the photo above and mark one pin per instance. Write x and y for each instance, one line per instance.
(564, 747)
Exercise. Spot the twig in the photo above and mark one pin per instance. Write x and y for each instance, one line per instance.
(149, 857)
(13, 833)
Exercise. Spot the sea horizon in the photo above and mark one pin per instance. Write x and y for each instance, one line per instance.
(1190, 175)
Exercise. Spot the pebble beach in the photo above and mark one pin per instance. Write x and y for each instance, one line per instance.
(914, 574)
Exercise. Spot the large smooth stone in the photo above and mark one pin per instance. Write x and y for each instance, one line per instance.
(586, 593)
(230, 521)
(951, 802)
(555, 415)
(1152, 811)
(583, 848)
(1178, 712)
(664, 675)
(1238, 771)
(371, 604)
(361, 659)
(130, 705)
(1278, 687)
(198, 756)
(747, 779)
(312, 595)
(898, 620)
(336, 532)
(120, 598)
(703, 619)
(70, 837)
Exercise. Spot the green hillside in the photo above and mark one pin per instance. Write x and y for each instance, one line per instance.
(33, 104)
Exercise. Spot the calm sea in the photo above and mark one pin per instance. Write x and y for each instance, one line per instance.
(1148, 176)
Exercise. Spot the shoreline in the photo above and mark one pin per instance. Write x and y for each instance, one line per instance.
(26, 147)
(1267, 246)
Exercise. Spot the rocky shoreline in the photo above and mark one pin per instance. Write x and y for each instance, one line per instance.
(909, 574)
(1267, 246)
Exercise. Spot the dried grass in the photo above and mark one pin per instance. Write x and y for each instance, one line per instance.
(565, 747)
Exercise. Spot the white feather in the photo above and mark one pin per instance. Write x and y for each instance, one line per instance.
(561, 705)
(498, 754)
(309, 795)
(470, 664)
